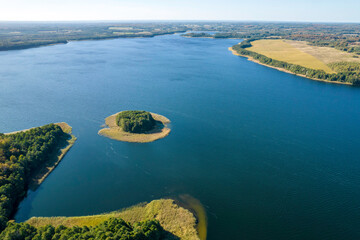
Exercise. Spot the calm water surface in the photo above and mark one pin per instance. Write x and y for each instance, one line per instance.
(270, 155)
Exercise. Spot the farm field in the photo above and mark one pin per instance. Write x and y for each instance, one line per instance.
(284, 51)
(324, 54)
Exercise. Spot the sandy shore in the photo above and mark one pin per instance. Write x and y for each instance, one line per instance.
(113, 131)
(284, 70)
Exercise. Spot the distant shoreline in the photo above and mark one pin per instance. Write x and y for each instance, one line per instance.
(29, 46)
(113, 131)
(284, 70)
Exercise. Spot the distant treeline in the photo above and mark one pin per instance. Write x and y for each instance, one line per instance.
(112, 229)
(5, 46)
(21, 154)
(31, 44)
(342, 36)
(28, 35)
(343, 75)
(342, 44)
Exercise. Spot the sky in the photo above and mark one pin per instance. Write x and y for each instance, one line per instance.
(239, 10)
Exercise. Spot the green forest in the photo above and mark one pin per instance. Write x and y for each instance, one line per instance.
(346, 72)
(21, 154)
(135, 121)
(112, 229)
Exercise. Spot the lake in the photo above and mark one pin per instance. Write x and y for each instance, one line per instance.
(270, 155)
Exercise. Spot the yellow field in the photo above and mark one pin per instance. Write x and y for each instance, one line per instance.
(283, 51)
(177, 220)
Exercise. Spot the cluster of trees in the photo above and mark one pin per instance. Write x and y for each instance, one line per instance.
(346, 67)
(135, 121)
(352, 77)
(338, 44)
(20, 155)
(112, 229)
(198, 35)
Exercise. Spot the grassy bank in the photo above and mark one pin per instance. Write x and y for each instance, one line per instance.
(177, 220)
(113, 131)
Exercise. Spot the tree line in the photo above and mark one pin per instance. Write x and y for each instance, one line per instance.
(112, 229)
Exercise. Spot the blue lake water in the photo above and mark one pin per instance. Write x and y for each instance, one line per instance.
(270, 155)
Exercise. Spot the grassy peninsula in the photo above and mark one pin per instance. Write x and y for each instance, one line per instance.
(136, 126)
(175, 222)
(313, 62)
(26, 158)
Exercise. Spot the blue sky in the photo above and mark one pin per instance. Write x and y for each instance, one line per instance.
(272, 10)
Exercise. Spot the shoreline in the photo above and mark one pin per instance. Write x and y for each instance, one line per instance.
(175, 219)
(53, 161)
(113, 131)
(79, 40)
(46, 170)
(284, 70)
(197, 209)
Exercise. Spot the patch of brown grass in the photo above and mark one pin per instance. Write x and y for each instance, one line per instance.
(283, 51)
(324, 54)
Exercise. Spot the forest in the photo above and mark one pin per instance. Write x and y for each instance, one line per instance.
(135, 121)
(347, 72)
(21, 154)
(112, 229)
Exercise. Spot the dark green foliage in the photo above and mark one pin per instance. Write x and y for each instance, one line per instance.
(352, 77)
(112, 229)
(20, 155)
(197, 34)
(135, 121)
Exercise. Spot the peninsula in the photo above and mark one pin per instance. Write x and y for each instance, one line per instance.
(168, 220)
(136, 126)
(297, 57)
(27, 157)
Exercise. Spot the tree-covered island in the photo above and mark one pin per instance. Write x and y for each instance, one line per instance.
(135, 121)
(136, 126)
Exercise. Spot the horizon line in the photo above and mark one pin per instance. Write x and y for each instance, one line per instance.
(168, 20)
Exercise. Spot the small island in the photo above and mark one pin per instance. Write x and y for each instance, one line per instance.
(136, 126)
